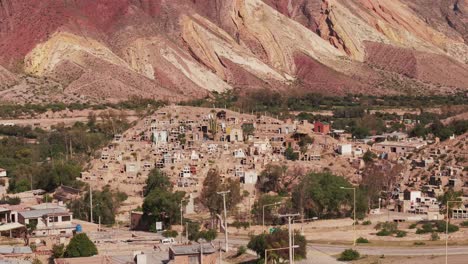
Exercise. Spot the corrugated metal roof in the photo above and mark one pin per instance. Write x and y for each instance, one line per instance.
(40, 213)
(15, 250)
(192, 249)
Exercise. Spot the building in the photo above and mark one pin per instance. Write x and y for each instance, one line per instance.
(321, 127)
(3, 172)
(50, 221)
(399, 147)
(345, 149)
(160, 137)
(235, 135)
(193, 254)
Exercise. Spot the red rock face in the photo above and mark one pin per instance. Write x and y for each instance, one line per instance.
(427, 67)
(117, 24)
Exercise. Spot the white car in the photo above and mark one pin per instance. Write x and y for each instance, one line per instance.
(167, 241)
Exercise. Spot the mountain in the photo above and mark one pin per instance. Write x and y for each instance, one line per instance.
(184, 49)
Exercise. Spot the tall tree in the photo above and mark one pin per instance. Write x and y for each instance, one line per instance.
(214, 184)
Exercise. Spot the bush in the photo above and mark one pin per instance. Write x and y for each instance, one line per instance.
(383, 232)
(400, 233)
(170, 233)
(434, 236)
(413, 226)
(58, 250)
(80, 246)
(241, 251)
(362, 240)
(349, 255)
(464, 224)
(442, 225)
(367, 222)
(390, 226)
(419, 243)
(209, 235)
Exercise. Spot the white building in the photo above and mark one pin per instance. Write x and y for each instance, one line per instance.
(160, 137)
(3, 172)
(250, 177)
(51, 221)
(345, 149)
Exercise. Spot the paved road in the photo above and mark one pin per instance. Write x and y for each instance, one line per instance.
(392, 251)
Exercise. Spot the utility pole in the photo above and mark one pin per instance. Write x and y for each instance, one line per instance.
(220, 256)
(291, 254)
(186, 232)
(91, 203)
(354, 212)
(181, 218)
(225, 218)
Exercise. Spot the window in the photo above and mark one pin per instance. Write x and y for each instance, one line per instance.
(66, 218)
(53, 219)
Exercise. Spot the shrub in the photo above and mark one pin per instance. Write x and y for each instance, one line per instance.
(170, 233)
(413, 226)
(80, 246)
(383, 232)
(367, 222)
(434, 236)
(349, 255)
(390, 226)
(362, 240)
(241, 251)
(426, 228)
(442, 225)
(419, 243)
(464, 224)
(58, 250)
(209, 235)
(400, 233)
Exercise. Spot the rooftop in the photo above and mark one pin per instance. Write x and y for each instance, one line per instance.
(42, 212)
(193, 249)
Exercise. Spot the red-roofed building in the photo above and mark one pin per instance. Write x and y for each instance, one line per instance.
(320, 127)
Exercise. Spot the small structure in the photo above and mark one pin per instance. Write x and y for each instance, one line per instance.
(194, 254)
(160, 137)
(235, 135)
(3, 172)
(399, 147)
(51, 221)
(345, 149)
(321, 127)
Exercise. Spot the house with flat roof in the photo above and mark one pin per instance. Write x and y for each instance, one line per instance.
(50, 221)
(194, 254)
(399, 147)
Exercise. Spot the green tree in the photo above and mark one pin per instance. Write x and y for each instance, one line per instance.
(290, 154)
(277, 239)
(163, 205)
(157, 180)
(214, 184)
(319, 194)
(257, 208)
(270, 179)
(80, 246)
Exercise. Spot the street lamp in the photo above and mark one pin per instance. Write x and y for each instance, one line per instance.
(354, 211)
(263, 215)
(182, 218)
(291, 246)
(446, 230)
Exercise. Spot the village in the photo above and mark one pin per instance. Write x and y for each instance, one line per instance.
(185, 142)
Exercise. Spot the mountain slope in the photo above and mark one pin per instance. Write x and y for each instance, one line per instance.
(183, 49)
